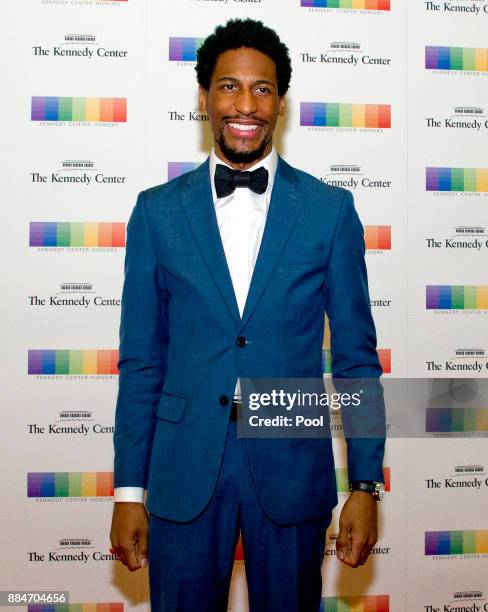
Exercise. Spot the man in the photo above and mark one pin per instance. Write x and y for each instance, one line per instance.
(228, 272)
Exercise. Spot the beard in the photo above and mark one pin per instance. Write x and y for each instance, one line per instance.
(242, 157)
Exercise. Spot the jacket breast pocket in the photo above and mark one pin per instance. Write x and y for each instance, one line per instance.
(301, 255)
(171, 407)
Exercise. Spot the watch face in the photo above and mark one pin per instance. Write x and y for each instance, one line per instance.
(379, 490)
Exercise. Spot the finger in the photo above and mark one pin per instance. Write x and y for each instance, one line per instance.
(142, 554)
(128, 556)
(356, 549)
(366, 551)
(120, 556)
(343, 542)
(114, 551)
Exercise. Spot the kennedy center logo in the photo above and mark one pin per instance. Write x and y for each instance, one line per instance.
(70, 550)
(345, 53)
(470, 600)
(84, 46)
(467, 543)
(77, 172)
(457, 7)
(76, 236)
(86, 3)
(464, 237)
(352, 176)
(456, 420)
(350, 117)
(457, 180)
(473, 360)
(184, 49)
(469, 118)
(69, 362)
(55, 110)
(352, 5)
(70, 484)
(377, 238)
(462, 298)
(73, 295)
(456, 59)
(71, 422)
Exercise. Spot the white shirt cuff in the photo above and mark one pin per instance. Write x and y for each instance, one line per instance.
(129, 494)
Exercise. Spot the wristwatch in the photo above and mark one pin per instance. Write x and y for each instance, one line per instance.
(377, 489)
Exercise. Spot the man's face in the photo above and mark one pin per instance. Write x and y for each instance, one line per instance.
(243, 105)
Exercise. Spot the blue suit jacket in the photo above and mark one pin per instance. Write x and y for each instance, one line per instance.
(178, 351)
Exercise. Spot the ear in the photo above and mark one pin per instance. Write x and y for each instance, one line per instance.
(202, 99)
(282, 106)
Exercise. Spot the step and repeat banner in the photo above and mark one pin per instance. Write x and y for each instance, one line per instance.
(389, 99)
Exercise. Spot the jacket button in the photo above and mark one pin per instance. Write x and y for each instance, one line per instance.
(241, 341)
(224, 400)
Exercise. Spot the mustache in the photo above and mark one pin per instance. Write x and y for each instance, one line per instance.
(237, 118)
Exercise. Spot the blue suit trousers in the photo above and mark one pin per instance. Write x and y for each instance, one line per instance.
(190, 563)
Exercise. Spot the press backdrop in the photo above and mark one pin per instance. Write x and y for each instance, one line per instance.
(100, 101)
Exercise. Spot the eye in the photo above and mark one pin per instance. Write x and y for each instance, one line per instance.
(228, 86)
(263, 90)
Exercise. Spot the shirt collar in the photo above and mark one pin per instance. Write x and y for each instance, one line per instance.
(270, 162)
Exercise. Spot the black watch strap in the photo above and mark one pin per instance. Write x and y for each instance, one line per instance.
(376, 489)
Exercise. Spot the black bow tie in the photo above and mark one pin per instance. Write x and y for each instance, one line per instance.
(226, 180)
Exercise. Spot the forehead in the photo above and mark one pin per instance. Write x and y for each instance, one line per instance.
(245, 63)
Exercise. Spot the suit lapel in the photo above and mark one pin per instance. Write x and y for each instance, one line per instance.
(200, 212)
(199, 209)
(282, 213)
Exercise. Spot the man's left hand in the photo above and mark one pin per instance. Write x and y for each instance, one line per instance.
(358, 529)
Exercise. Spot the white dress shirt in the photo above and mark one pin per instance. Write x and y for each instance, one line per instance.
(241, 217)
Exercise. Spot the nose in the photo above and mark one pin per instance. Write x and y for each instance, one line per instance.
(245, 103)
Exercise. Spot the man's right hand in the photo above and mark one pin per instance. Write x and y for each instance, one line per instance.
(128, 534)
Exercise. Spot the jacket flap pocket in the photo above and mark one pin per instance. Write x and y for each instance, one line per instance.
(171, 407)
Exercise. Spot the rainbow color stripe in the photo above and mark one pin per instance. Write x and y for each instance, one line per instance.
(72, 362)
(78, 607)
(100, 110)
(239, 551)
(76, 234)
(456, 419)
(384, 356)
(456, 179)
(329, 114)
(457, 297)
(369, 5)
(343, 481)
(377, 237)
(326, 361)
(184, 49)
(456, 58)
(363, 603)
(70, 484)
(456, 542)
(176, 169)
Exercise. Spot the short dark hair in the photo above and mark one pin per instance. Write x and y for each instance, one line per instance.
(237, 33)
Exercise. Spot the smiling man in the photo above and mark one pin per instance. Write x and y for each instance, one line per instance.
(229, 270)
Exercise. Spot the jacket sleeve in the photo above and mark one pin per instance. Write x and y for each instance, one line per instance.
(142, 354)
(355, 363)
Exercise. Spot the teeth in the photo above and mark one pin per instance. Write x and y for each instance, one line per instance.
(244, 128)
